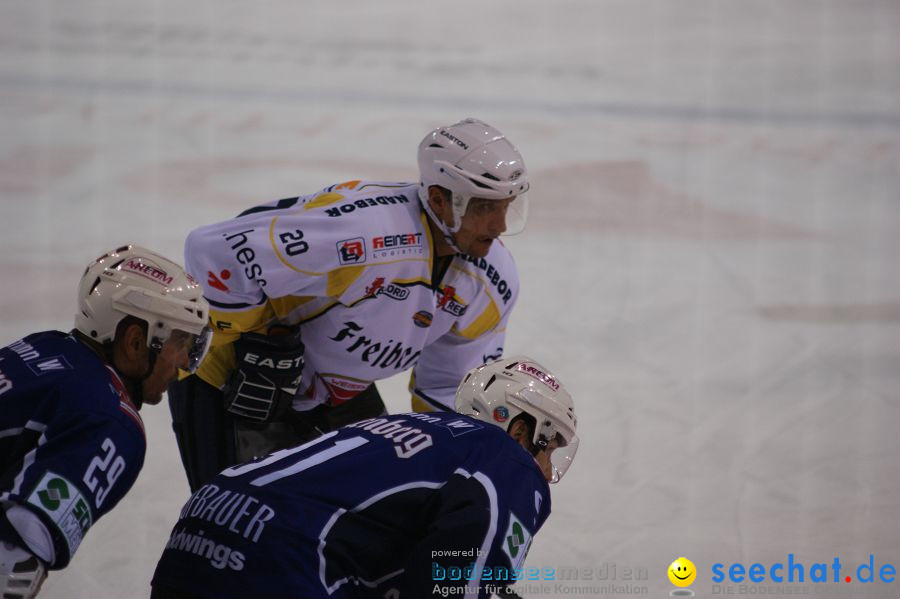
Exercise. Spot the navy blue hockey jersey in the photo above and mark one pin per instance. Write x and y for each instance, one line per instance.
(71, 441)
(387, 507)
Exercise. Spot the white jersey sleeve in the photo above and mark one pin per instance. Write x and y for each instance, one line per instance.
(477, 337)
(267, 252)
(288, 261)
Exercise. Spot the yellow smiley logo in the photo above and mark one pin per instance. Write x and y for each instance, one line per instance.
(682, 572)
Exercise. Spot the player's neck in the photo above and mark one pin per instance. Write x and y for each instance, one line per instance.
(92, 345)
(107, 354)
(440, 245)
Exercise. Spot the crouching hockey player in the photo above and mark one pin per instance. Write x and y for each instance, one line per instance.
(71, 439)
(380, 278)
(389, 507)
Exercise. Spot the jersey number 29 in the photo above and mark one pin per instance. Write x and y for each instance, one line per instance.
(109, 464)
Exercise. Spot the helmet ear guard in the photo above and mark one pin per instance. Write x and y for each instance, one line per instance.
(500, 391)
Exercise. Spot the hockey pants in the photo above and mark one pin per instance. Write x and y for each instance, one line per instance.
(211, 439)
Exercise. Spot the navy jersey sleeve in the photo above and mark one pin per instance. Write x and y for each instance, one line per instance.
(72, 442)
(481, 531)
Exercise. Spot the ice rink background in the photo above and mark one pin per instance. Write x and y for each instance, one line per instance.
(711, 263)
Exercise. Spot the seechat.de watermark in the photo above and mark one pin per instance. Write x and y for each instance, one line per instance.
(795, 577)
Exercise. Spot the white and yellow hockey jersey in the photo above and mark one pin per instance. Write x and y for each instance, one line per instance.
(353, 265)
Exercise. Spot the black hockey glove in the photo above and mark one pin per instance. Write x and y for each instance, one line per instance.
(267, 375)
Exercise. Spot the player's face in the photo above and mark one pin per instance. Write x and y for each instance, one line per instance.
(172, 356)
(483, 222)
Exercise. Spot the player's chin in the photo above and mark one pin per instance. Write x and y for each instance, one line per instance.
(152, 393)
(151, 399)
(479, 248)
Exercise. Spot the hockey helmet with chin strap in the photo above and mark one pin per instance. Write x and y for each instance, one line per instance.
(499, 391)
(134, 281)
(472, 159)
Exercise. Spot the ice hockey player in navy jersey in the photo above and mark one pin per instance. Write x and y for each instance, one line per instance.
(376, 277)
(71, 438)
(401, 507)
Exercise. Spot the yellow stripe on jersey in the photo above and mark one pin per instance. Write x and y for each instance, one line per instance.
(412, 281)
(430, 242)
(217, 365)
(486, 321)
(282, 258)
(283, 307)
(323, 200)
(418, 405)
(313, 315)
(227, 326)
(340, 279)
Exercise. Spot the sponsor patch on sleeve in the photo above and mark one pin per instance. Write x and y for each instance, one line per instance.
(64, 504)
(516, 542)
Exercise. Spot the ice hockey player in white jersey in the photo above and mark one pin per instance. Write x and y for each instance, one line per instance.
(71, 438)
(404, 506)
(313, 298)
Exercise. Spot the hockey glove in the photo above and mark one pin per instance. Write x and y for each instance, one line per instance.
(21, 574)
(267, 375)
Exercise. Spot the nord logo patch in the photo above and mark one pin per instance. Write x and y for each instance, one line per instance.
(390, 290)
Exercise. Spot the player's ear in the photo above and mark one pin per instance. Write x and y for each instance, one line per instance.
(134, 340)
(519, 431)
(439, 199)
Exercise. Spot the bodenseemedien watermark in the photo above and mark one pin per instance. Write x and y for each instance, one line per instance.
(535, 589)
(606, 579)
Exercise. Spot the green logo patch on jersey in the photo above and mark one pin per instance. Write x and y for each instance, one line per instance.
(55, 496)
(516, 542)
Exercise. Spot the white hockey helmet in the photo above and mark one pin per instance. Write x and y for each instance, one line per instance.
(473, 160)
(134, 281)
(499, 391)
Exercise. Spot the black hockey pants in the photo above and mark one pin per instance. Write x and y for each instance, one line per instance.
(211, 439)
